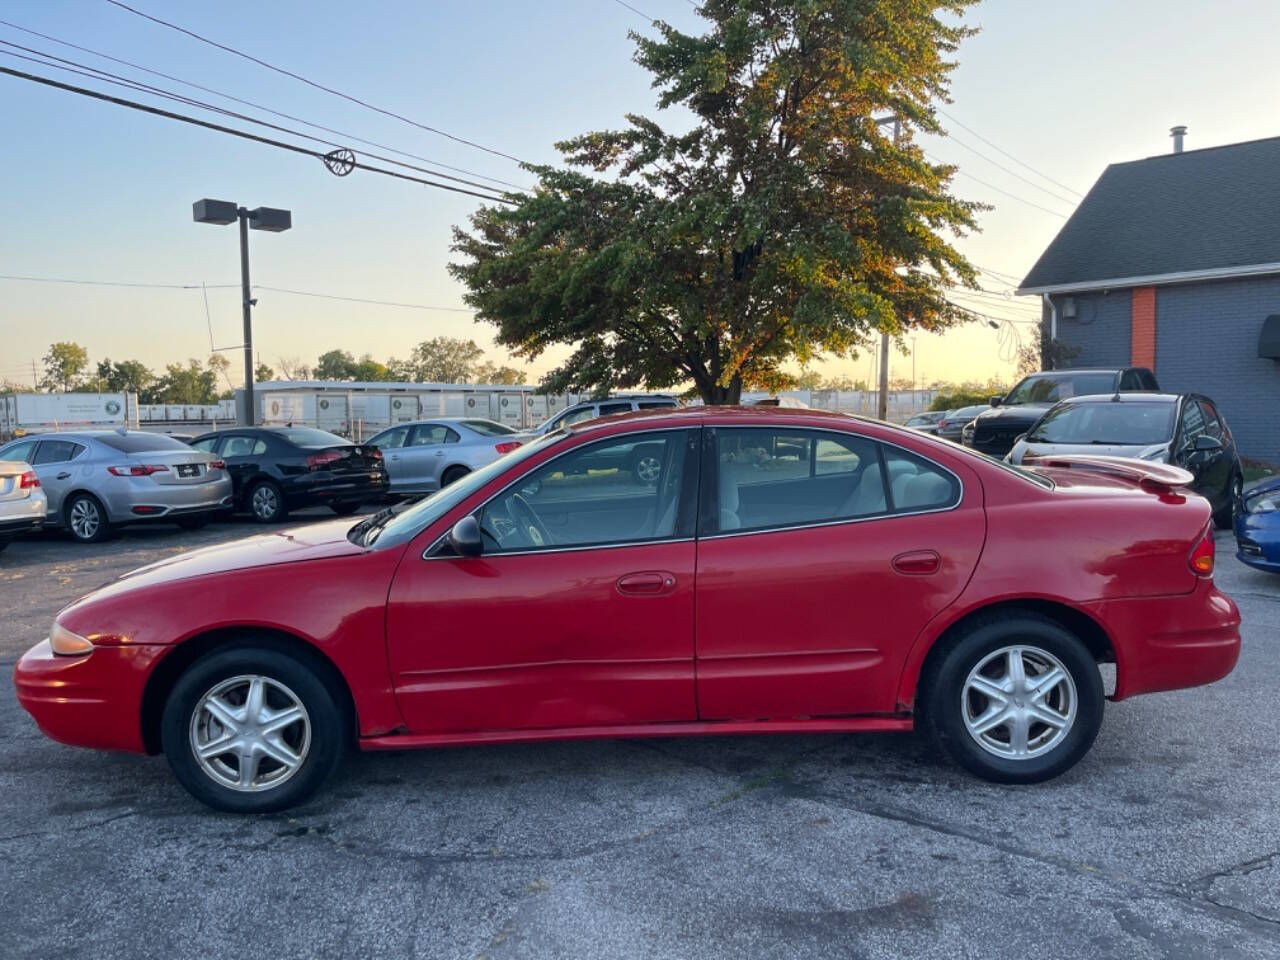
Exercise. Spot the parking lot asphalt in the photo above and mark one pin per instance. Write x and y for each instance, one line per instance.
(1163, 842)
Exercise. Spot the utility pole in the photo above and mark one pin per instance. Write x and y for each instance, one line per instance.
(882, 406)
(35, 379)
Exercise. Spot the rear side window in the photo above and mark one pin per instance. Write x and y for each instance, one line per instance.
(609, 409)
(244, 447)
(21, 452)
(656, 404)
(916, 484)
(56, 451)
(141, 442)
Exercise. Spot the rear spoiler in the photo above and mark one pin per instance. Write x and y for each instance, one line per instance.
(1145, 473)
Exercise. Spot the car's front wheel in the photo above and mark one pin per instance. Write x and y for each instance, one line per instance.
(253, 729)
(1014, 699)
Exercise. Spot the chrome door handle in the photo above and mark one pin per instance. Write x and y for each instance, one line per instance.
(62, 476)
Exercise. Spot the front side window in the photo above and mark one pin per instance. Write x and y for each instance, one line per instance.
(593, 495)
(390, 439)
(577, 416)
(1192, 423)
(1212, 420)
(432, 434)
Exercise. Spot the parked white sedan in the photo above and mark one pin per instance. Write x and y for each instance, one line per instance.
(22, 502)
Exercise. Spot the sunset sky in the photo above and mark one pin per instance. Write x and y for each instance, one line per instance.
(96, 192)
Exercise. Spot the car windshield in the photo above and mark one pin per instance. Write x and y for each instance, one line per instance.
(1060, 386)
(141, 442)
(307, 437)
(1119, 424)
(395, 526)
(966, 413)
(487, 428)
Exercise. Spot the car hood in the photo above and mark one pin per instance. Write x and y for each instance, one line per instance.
(1022, 414)
(1026, 452)
(288, 545)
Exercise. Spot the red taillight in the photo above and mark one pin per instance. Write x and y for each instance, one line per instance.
(942, 424)
(137, 470)
(506, 446)
(375, 453)
(217, 464)
(28, 481)
(1200, 560)
(318, 461)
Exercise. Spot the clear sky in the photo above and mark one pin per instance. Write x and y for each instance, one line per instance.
(97, 192)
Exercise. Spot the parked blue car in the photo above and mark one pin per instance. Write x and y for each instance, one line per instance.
(1258, 526)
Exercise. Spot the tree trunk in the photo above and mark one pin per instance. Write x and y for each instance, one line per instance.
(718, 396)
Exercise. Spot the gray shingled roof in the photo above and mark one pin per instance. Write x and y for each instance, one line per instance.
(1202, 210)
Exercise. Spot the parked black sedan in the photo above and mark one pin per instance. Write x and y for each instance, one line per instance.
(1184, 429)
(278, 469)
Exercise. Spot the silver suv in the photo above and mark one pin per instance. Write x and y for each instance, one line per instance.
(590, 409)
(99, 479)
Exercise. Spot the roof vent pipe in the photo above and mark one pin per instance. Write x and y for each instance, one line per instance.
(1177, 133)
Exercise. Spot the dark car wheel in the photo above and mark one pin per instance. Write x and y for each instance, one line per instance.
(344, 509)
(86, 518)
(253, 729)
(1235, 496)
(452, 475)
(1015, 699)
(266, 502)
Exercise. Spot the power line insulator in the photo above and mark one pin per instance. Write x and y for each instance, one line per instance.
(340, 162)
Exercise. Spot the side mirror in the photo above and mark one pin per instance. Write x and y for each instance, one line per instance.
(996, 401)
(1207, 444)
(465, 538)
(1019, 438)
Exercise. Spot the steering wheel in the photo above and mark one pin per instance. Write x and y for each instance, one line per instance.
(528, 523)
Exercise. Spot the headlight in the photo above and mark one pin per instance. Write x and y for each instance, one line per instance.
(68, 644)
(1266, 504)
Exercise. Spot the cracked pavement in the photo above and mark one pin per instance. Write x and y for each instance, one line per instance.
(1163, 842)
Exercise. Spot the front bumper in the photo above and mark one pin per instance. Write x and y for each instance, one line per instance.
(93, 700)
(141, 499)
(1258, 540)
(1168, 643)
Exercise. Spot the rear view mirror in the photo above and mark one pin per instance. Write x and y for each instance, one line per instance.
(465, 538)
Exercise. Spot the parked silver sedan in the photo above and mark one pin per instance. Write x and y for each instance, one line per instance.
(422, 457)
(96, 480)
(22, 501)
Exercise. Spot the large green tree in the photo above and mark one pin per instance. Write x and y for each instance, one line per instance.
(335, 365)
(442, 360)
(132, 376)
(784, 223)
(194, 383)
(64, 366)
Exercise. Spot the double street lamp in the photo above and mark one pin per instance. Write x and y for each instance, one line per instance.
(223, 212)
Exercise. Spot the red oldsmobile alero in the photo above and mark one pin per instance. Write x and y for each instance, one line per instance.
(785, 570)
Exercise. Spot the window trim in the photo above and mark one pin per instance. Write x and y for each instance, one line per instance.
(712, 494)
(692, 462)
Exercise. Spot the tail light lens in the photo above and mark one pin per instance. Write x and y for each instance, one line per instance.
(1201, 558)
(318, 461)
(942, 424)
(375, 453)
(506, 446)
(217, 464)
(28, 481)
(137, 469)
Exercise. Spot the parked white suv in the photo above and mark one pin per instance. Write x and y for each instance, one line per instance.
(590, 409)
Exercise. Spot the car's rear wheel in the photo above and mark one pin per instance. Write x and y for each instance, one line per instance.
(253, 729)
(86, 518)
(452, 475)
(266, 502)
(1015, 699)
(647, 468)
(344, 509)
(1235, 496)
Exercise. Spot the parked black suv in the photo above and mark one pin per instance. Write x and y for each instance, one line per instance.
(996, 431)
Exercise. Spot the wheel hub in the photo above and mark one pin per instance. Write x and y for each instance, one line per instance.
(1019, 702)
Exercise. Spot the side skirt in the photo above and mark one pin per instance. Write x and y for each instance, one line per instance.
(877, 724)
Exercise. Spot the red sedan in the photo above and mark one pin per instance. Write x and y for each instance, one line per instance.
(783, 570)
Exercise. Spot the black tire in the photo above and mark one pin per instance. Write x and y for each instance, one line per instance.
(452, 475)
(193, 523)
(85, 518)
(265, 501)
(344, 509)
(943, 700)
(1226, 515)
(329, 726)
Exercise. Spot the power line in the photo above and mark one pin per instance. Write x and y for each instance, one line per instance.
(313, 83)
(380, 303)
(243, 134)
(95, 73)
(992, 186)
(1012, 173)
(256, 106)
(623, 3)
(1056, 183)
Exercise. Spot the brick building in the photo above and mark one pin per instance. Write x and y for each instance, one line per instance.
(1173, 263)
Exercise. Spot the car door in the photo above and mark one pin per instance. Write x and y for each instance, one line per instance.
(391, 443)
(53, 465)
(579, 613)
(822, 555)
(422, 458)
(243, 454)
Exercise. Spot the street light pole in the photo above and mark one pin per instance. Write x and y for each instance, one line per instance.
(223, 212)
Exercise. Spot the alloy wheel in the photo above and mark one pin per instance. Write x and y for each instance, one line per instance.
(1019, 702)
(85, 519)
(265, 503)
(648, 468)
(250, 733)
